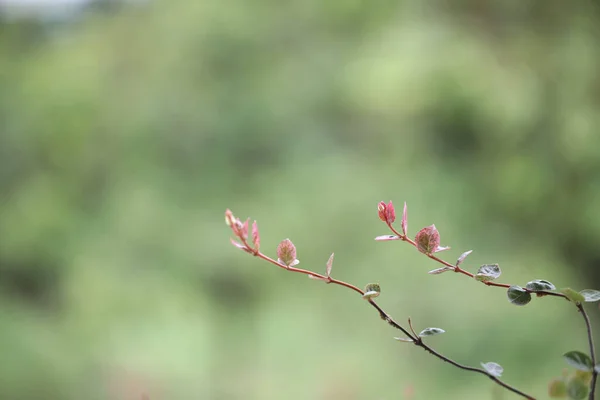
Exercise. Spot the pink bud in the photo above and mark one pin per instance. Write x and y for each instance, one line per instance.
(255, 236)
(428, 239)
(229, 218)
(244, 229)
(286, 252)
(390, 213)
(381, 210)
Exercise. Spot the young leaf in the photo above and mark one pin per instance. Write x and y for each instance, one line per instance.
(493, 368)
(557, 388)
(518, 296)
(488, 273)
(442, 248)
(590, 295)
(579, 360)
(286, 253)
(462, 257)
(584, 376)
(372, 290)
(440, 270)
(572, 295)
(428, 239)
(431, 332)
(381, 211)
(255, 236)
(401, 339)
(384, 238)
(577, 389)
(404, 223)
(540, 284)
(390, 213)
(329, 265)
(317, 278)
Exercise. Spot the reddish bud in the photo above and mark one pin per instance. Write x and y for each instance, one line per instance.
(390, 213)
(428, 239)
(286, 253)
(381, 211)
(229, 218)
(404, 223)
(255, 236)
(244, 229)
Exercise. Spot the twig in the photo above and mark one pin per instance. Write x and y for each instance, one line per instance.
(458, 269)
(240, 230)
(592, 350)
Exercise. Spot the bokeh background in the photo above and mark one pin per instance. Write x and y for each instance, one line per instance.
(127, 129)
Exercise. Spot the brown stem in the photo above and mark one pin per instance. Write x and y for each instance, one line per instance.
(592, 351)
(416, 340)
(459, 270)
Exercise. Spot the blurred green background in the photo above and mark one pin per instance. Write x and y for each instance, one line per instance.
(127, 129)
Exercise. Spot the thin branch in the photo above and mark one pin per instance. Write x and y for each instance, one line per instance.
(416, 340)
(459, 270)
(592, 350)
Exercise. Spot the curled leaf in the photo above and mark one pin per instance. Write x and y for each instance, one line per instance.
(384, 238)
(462, 257)
(390, 213)
(372, 290)
(441, 248)
(590, 295)
(438, 271)
(244, 230)
(381, 211)
(255, 236)
(493, 368)
(431, 332)
(401, 339)
(488, 272)
(329, 265)
(229, 217)
(540, 284)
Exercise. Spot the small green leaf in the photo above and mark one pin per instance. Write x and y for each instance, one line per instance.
(579, 360)
(577, 389)
(488, 272)
(557, 388)
(431, 332)
(590, 295)
(403, 339)
(572, 295)
(540, 284)
(518, 296)
(372, 290)
(493, 368)
(584, 376)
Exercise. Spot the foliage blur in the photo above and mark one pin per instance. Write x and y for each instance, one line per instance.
(127, 129)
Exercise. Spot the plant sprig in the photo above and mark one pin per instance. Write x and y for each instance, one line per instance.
(286, 259)
(427, 241)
